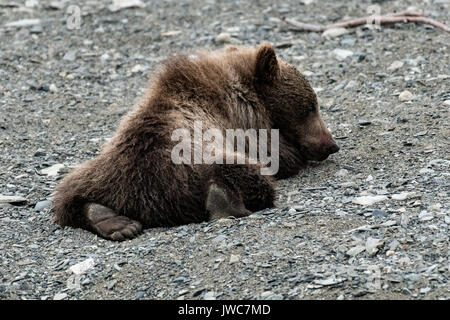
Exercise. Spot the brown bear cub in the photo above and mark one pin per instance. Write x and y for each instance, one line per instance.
(134, 183)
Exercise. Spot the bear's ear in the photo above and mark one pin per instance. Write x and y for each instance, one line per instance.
(267, 68)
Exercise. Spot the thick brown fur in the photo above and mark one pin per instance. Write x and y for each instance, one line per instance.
(238, 87)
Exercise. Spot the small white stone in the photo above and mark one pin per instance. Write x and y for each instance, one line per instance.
(414, 9)
(369, 200)
(388, 223)
(70, 55)
(57, 5)
(210, 295)
(137, 68)
(405, 96)
(171, 33)
(395, 65)
(298, 58)
(373, 245)
(425, 216)
(60, 296)
(355, 251)
(334, 32)
(289, 224)
(329, 281)
(266, 294)
(436, 207)
(224, 37)
(447, 103)
(105, 57)
(23, 23)
(318, 89)
(292, 210)
(53, 170)
(31, 3)
(234, 259)
(426, 171)
(53, 88)
(125, 4)
(425, 290)
(341, 54)
(82, 267)
(401, 196)
(234, 29)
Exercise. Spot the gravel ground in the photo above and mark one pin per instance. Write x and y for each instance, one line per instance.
(371, 222)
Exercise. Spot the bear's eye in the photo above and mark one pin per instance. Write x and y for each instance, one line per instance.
(311, 107)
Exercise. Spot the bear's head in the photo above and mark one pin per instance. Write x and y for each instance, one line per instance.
(292, 105)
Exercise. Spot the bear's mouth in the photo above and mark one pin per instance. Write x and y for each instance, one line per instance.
(321, 157)
(317, 156)
(308, 155)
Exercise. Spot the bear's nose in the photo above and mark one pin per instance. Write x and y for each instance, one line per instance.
(333, 148)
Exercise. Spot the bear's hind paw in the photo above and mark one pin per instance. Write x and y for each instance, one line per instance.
(106, 223)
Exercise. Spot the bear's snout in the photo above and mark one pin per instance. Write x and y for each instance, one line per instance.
(327, 147)
(318, 140)
(331, 148)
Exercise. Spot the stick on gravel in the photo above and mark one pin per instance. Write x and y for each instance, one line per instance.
(404, 16)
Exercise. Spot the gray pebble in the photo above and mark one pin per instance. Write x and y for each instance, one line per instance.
(41, 205)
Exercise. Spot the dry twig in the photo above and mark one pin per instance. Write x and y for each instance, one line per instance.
(404, 16)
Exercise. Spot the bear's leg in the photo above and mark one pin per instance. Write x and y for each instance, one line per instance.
(238, 190)
(110, 225)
